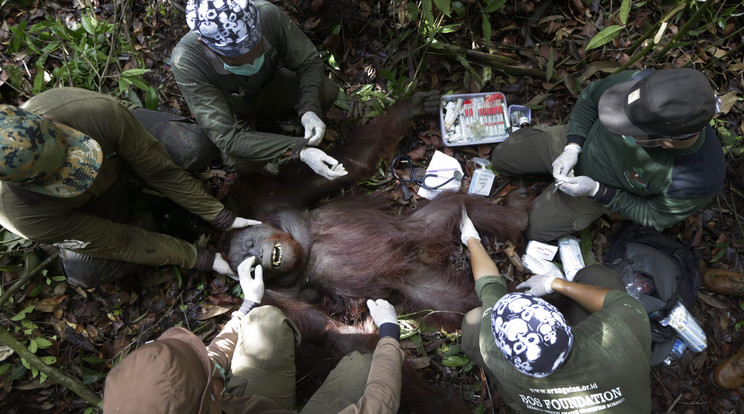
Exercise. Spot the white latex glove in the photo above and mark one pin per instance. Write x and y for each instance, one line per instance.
(314, 128)
(222, 267)
(467, 229)
(252, 285)
(322, 163)
(241, 222)
(581, 186)
(566, 161)
(382, 312)
(538, 285)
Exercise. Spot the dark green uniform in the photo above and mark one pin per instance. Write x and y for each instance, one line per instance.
(607, 370)
(71, 223)
(219, 99)
(656, 187)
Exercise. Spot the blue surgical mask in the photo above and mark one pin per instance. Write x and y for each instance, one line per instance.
(248, 69)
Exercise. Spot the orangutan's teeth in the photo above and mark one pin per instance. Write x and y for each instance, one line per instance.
(276, 255)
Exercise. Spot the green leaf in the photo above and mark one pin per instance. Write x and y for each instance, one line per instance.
(151, 103)
(625, 11)
(49, 359)
(486, 27)
(549, 68)
(134, 72)
(494, 5)
(89, 23)
(4, 368)
(35, 291)
(455, 361)
(43, 343)
(607, 34)
(22, 314)
(443, 6)
(33, 346)
(19, 371)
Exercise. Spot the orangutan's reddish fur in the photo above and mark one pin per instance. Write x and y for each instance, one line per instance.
(360, 251)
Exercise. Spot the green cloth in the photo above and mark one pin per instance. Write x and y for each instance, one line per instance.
(218, 99)
(608, 369)
(655, 187)
(67, 223)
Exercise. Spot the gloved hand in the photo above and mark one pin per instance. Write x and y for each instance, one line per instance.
(252, 285)
(222, 267)
(241, 222)
(425, 102)
(314, 128)
(467, 229)
(566, 161)
(322, 163)
(581, 186)
(538, 285)
(382, 312)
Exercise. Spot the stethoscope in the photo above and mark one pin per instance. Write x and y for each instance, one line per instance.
(457, 175)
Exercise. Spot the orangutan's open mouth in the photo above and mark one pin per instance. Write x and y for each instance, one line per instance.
(276, 255)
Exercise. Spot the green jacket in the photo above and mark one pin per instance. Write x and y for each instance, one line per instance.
(655, 187)
(608, 369)
(67, 223)
(217, 98)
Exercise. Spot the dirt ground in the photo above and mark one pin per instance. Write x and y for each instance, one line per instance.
(95, 327)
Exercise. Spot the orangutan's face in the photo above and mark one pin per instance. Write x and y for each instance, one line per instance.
(275, 250)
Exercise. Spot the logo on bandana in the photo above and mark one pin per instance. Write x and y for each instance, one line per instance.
(634, 178)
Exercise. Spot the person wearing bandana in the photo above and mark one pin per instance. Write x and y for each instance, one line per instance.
(638, 144)
(595, 356)
(245, 60)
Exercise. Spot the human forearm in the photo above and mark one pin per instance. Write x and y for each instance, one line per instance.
(480, 260)
(588, 297)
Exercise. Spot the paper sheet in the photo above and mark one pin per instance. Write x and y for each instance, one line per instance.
(444, 167)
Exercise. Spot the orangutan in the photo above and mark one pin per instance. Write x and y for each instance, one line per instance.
(321, 264)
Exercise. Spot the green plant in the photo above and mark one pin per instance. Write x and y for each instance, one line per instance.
(35, 342)
(85, 54)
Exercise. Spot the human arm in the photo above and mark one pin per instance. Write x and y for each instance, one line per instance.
(481, 262)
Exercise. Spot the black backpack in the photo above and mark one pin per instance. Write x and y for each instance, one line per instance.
(659, 271)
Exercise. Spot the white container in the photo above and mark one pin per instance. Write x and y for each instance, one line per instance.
(541, 250)
(483, 118)
(571, 257)
(682, 321)
(482, 182)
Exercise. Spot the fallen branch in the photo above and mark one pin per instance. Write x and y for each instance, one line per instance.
(54, 373)
(504, 64)
(25, 278)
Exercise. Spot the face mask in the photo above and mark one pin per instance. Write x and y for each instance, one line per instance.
(248, 69)
(650, 143)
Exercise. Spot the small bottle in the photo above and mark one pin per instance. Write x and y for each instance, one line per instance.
(519, 118)
(677, 350)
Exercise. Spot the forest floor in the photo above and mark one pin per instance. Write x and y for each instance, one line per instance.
(86, 331)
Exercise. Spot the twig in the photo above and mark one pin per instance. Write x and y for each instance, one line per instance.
(669, 410)
(56, 374)
(685, 28)
(25, 278)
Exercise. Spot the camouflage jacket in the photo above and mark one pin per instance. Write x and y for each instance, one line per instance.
(72, 223)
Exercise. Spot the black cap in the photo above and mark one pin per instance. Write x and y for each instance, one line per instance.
(672, 103)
